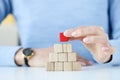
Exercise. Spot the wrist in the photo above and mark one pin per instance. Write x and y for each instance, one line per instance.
(19, 60)
(28, 54)
(103, 59)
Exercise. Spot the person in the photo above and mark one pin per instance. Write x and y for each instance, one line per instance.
(93, 28)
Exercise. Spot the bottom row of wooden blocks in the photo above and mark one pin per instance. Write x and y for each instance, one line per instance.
(63, 66)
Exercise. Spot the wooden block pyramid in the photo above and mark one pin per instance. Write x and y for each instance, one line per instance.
(63, 59)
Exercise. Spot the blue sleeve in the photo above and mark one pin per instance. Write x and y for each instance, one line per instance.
(114, 14)
(7, 54)
(5, 9)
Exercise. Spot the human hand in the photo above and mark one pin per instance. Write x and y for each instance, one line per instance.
(95, 40)
(83, 61)
(40, 58)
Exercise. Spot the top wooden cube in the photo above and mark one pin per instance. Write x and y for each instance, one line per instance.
(61, 48)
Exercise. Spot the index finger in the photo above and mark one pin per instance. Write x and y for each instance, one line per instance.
(83, 31)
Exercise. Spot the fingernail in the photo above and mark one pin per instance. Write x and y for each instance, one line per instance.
(105, 48)
(74, 34)
(66, 33)
(83, 64)
(90, 62)
(86, 40)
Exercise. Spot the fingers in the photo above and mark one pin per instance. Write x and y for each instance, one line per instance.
(83, 31)
(84, 62)
(100, 39)
(103, 40)
(72, 38)
(95, 39)
(68, 33)
(109, 49)
(105, 56)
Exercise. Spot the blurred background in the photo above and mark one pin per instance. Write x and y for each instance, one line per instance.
(8, 32)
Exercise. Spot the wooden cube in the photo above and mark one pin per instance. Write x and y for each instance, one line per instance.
(53, 57)
(72, 56)
(50, 66)
(64, 47)
(62, 57)
(67, 66)
(76, 66)
(69, 48)
(58, 48)
(58, 66)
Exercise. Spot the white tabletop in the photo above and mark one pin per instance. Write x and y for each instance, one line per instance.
(96, 72)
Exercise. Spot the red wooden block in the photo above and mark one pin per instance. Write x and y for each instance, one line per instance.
(63, 38)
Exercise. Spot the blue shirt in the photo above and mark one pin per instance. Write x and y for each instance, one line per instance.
(40, 21)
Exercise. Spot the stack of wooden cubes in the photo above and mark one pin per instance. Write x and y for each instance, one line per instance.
(63, 59)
